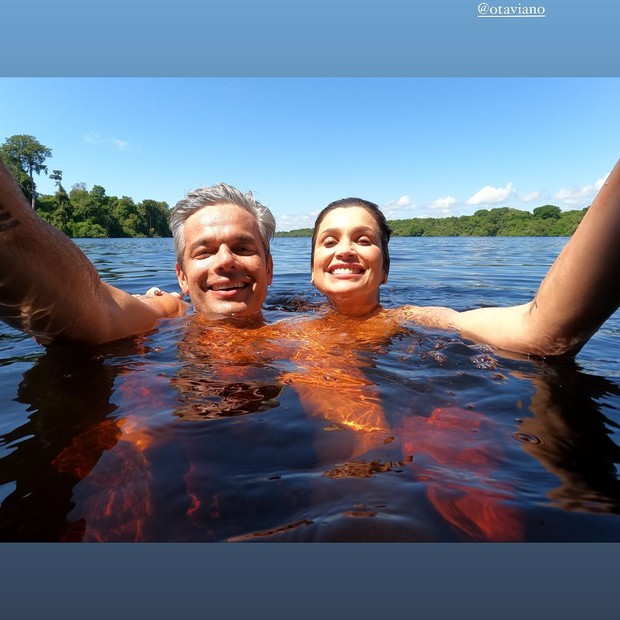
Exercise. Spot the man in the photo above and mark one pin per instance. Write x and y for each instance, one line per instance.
(49, 289)
(221, 239)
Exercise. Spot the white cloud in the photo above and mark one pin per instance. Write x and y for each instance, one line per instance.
(531, 197)
(294, 221)
(445, 204)
(580, 196)
(398, 209)
(95, 138)
(491, 195)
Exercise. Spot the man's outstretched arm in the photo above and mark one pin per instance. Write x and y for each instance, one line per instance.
(49, 289)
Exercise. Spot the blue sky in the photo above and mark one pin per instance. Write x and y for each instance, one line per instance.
(416, 146)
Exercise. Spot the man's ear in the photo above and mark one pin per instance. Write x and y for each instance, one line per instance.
(182, 278)
(269, 269)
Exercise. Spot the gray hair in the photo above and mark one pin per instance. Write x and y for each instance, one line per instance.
(217, 195)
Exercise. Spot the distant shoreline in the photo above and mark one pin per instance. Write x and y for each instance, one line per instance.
(545, 221)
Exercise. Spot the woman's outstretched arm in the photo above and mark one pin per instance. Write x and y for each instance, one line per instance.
(49, 289)
(579, 293)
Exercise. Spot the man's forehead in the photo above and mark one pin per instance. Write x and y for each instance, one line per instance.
(222, 222)
(223, 216)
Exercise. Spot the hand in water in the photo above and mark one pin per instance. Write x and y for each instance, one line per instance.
(167, 305)
(154, 291)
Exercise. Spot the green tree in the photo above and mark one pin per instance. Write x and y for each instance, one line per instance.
(156, 217)
(548, 212)
(87, 229)
(56, 176)
(127, 220)
(25, 155)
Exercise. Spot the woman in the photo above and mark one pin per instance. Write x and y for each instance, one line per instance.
(350, 261)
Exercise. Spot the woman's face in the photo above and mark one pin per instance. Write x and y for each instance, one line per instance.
(348, 261)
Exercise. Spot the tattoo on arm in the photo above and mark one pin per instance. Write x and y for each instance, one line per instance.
(7, 221)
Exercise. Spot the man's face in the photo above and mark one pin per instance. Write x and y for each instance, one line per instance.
(225, 268)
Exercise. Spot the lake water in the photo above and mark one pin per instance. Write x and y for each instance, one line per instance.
(196, 433)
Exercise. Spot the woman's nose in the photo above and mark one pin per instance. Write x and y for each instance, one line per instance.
(345, 248)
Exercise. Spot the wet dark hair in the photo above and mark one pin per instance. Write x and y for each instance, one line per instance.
(385, 232)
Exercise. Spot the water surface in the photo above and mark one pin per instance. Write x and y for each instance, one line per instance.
(294, 432)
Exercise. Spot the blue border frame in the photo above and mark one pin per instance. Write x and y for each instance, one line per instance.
(336, 38)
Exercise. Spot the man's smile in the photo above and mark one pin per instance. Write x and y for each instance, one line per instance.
(227, 286)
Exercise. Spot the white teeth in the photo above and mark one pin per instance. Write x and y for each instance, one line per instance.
(227, 286)
(343, 270)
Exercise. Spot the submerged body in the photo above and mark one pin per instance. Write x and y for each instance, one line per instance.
(307, 428)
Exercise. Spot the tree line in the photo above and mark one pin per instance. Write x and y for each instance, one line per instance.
(80, 212)
(91, 213)
(545, 221)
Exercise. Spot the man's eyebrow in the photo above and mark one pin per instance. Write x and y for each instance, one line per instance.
(239, 238)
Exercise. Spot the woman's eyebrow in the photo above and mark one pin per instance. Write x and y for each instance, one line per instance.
(358, 229)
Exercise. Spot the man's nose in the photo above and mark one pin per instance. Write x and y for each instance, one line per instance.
(225, 258)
